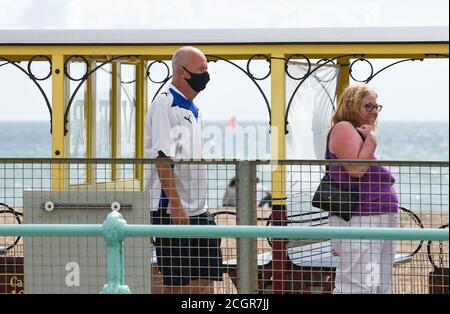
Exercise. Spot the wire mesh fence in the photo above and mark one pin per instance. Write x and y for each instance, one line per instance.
(79, 191)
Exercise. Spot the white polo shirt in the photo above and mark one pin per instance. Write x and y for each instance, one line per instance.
(173, 127)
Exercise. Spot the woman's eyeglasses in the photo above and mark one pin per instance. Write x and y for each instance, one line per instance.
(370, 107)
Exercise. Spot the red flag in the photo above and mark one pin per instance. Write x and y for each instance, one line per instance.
(231, 123)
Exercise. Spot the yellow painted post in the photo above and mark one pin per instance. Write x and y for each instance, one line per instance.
(141, 104)
(90, 100)
(59, 171)
(115, 118)
(344, 76)
(278, 172)
(278, 127)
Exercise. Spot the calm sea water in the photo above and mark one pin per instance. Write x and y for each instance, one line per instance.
(396, 140)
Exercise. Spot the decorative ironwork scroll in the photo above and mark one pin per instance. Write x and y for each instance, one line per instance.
(82, 79)
(310, 72)
(28, 72)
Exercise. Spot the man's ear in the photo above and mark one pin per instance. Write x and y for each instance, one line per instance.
(185, 73)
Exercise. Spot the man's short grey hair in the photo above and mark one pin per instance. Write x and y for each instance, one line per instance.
(179, 58)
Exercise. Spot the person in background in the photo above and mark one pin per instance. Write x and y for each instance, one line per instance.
(229, 198)
(263, 195)
(365, 265)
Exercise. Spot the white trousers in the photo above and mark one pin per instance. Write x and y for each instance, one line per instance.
(365, 265)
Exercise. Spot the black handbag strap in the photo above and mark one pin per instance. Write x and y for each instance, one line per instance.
(327, 151)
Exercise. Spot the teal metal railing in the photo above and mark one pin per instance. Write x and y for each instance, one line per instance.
(115, 229)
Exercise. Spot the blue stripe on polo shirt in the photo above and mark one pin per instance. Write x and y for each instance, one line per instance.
(180, 101)
(163, 201)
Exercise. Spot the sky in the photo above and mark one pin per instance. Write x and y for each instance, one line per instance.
(409, 92)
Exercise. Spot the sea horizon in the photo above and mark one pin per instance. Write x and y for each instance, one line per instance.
(397, 140)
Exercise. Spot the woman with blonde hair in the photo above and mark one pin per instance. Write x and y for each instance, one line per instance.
(365, 265)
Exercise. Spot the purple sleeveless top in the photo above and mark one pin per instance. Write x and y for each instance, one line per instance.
(377, 193)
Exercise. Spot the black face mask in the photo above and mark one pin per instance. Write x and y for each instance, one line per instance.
(197, 81)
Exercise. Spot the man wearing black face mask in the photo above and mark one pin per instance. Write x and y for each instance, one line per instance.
(190, 72)
(197, 81)
(179, 191)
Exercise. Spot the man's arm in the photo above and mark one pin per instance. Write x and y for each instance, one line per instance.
(177, 214)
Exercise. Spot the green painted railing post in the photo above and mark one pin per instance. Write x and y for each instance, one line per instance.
(113, 233)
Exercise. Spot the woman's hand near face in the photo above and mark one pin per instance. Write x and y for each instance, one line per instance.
(367, 131)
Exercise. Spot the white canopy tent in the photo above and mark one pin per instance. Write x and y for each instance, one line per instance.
(223, 36)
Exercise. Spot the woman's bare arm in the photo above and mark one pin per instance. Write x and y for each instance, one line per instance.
(346, 143)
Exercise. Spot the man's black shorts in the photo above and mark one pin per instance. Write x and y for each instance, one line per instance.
(181, 260)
